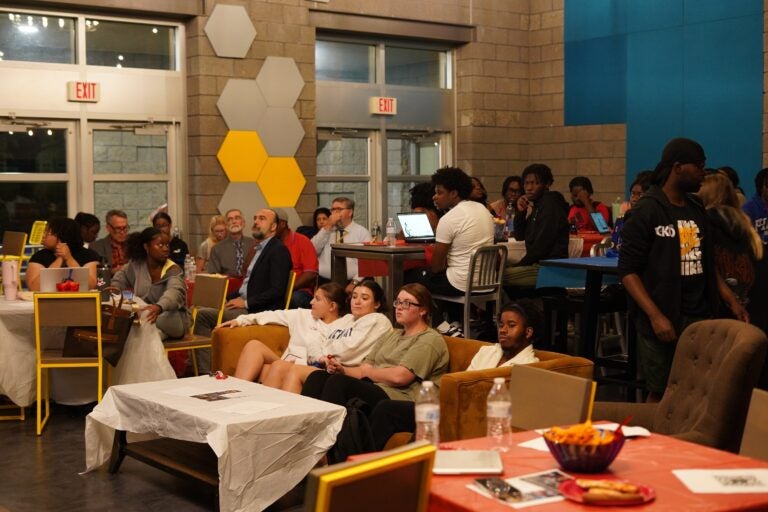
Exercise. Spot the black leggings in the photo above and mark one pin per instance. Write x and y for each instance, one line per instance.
(338, 389)
(390, 417)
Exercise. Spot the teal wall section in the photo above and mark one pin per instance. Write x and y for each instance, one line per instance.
(669, 68)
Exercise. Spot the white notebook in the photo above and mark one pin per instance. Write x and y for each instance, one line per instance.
(458, 462)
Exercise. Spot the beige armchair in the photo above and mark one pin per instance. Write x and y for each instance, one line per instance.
(716, 365)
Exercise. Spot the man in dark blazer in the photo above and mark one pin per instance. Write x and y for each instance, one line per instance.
(266, 269)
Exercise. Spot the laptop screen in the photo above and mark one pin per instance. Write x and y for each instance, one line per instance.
(49, 277)
(416, 227)
(602, 227)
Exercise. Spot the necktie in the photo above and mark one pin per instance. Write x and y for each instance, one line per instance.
(248, 259)
(340, 236)
(238, 254)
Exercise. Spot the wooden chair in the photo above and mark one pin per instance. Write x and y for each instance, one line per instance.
(543, 398)
(63, 309)
(210, 292)
(753, 442)
(396, 479)
(484, 284)
(289, 290)
(14, 243)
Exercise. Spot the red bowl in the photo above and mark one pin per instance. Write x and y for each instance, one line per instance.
(586, 458)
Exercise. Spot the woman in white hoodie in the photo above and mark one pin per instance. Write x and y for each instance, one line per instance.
(314, 335)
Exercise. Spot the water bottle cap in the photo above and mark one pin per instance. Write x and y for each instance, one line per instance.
(498, 380)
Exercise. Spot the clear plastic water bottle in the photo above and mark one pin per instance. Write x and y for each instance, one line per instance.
(375, 231)
(190, 269)
(499, 414)
(510, 219)
(391, 232)
(428, 414)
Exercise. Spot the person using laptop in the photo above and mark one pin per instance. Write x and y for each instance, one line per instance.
(580, 214)
(62, 248)
(467, 226)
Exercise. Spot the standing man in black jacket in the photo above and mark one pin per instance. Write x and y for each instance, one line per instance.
(666, 262)
(542, 221)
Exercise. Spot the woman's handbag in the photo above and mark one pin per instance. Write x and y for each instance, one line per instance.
(116, 324)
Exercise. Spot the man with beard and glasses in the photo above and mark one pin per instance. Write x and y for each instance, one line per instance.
(228, 255)
(666, 262)
(265, 267)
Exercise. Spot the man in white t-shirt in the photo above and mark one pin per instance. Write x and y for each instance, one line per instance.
(466, 226)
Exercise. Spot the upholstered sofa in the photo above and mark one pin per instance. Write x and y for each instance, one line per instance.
(462, 393)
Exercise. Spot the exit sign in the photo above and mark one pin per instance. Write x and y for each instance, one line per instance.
(382, 105)
(83, 91)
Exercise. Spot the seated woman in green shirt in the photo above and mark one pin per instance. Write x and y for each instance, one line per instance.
(399, 361)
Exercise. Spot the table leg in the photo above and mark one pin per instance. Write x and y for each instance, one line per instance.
(338, 268)
(589, 315)
(118, 451)
(394, 282)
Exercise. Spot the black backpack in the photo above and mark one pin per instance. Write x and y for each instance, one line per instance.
(355, 435)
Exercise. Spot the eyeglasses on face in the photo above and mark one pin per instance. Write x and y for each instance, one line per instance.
(339, 208)
(120, 229)
(405, 303)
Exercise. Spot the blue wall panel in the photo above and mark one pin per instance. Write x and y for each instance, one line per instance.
(692, 68)
(654, 96)
(595, 92)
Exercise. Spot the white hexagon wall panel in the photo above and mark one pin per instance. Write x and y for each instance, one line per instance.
(230, 31)
(247, 198)
(280, 81)
(241, 104)
(280, 131)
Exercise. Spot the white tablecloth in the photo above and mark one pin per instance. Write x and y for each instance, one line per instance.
(143, 359)
(266, 440)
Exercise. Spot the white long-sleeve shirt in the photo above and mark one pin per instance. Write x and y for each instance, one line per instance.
(322, 241)
(347, 339)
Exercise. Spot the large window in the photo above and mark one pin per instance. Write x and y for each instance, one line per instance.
(130, 170)
(37, 38)
(129, 45)
(381, 162)
(411, 159)
(345, 62)
(36, 159)
(343, 169)
(416, 67)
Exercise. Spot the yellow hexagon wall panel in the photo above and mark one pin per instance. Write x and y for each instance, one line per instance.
(242, 156)
(281, 181)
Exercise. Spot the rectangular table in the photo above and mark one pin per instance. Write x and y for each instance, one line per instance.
(265, 440)
(394, 256)
(647, 461)
(143, 359)
(575, 273)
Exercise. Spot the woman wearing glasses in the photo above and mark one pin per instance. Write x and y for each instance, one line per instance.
(315, 334)
(397, 363)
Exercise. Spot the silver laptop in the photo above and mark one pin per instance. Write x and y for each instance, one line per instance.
(49, 277)
(416, 227)
(459, 462)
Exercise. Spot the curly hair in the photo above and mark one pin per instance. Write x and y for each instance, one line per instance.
(541, 171)
(66, 230)
(526, 308)
(583, 182)
(136, 240)
(508, 181)
(453, 178)
(422, 196)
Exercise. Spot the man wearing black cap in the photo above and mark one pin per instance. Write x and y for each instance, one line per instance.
(666, 262)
